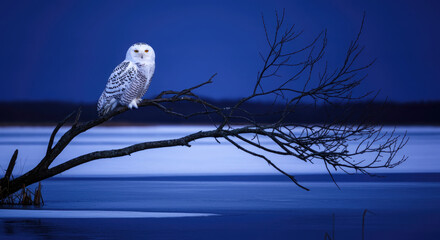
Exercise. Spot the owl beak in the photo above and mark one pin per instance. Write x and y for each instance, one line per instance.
(142, 56)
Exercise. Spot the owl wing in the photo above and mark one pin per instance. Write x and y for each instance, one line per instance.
(118, 81)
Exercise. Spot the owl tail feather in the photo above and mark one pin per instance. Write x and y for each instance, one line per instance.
(108, 107)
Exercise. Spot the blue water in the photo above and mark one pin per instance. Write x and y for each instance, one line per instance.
(247, 210)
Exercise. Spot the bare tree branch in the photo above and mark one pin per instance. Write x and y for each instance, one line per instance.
(11, 166)
(336, 144)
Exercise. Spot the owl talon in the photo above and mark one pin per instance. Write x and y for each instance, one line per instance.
(133, 104)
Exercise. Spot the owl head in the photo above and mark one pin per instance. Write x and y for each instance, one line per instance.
(140, 52)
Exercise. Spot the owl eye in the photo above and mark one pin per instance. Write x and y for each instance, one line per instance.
(136, 50)
(146, 50)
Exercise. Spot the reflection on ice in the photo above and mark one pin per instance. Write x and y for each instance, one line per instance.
(18, 213)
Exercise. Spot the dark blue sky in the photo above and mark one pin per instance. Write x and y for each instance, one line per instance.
(65, 50)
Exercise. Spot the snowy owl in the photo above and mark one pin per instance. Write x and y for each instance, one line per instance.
(129, 80)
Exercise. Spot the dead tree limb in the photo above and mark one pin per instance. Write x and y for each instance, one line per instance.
(11, 166)
(285, 66)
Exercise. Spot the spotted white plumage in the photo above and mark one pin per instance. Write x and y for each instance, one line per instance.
(129, 80)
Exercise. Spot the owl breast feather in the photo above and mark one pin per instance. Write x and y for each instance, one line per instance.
(138, 85)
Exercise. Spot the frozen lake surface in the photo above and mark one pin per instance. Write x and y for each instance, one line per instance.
(205, 157)
(244, 210)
